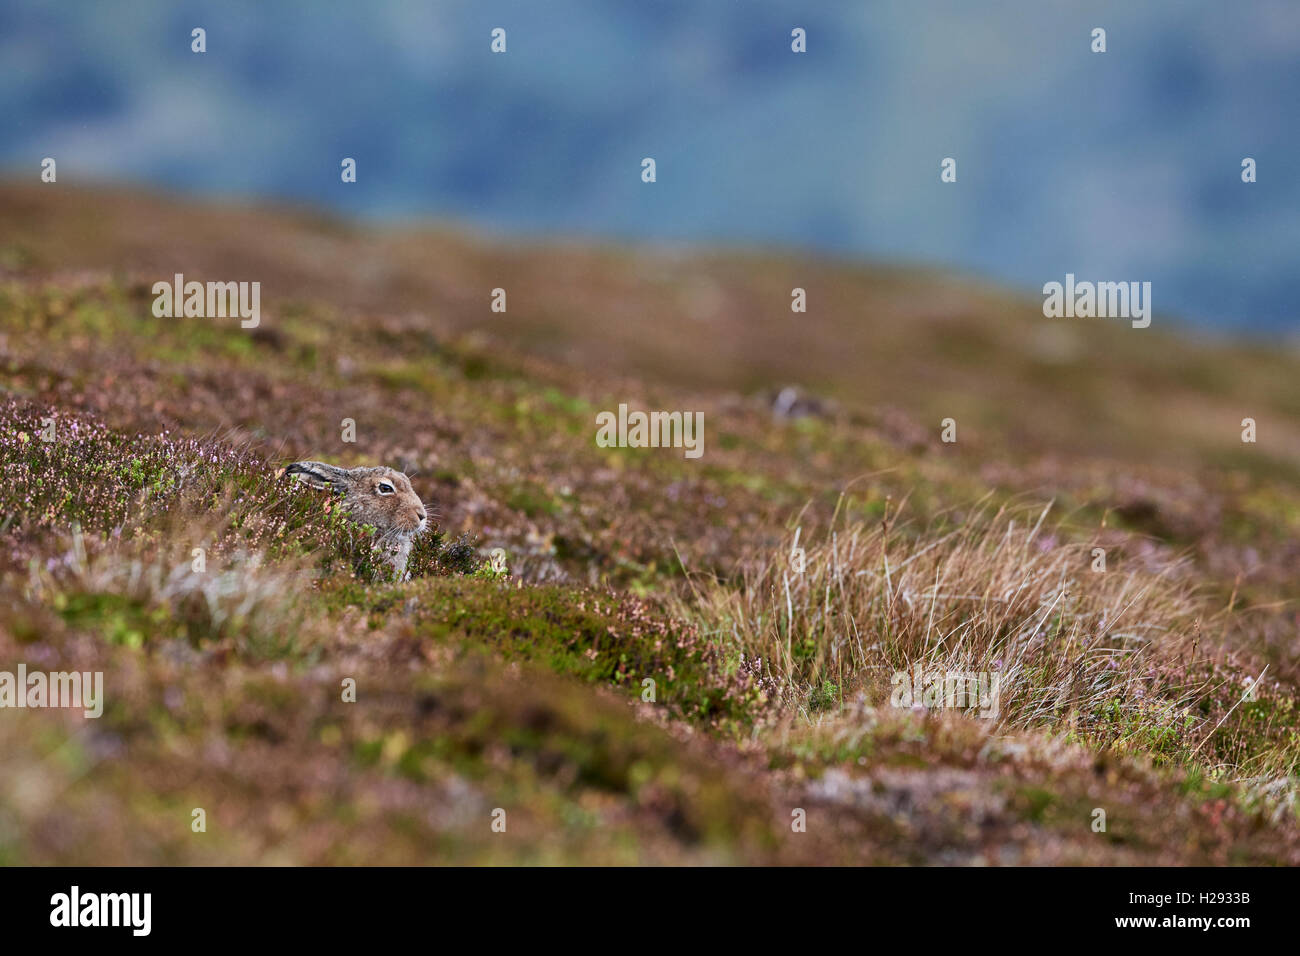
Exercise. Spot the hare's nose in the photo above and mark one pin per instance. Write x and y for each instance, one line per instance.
(420, 513)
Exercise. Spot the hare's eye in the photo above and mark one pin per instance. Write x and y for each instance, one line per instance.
(384, 488)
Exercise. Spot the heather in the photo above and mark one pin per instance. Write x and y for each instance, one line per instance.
(616, 646)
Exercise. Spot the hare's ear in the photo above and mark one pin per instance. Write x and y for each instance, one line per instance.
(318, 474)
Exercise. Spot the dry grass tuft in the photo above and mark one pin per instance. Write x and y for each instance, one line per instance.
(1101, 653)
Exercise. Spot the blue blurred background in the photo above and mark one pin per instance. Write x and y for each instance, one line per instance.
(1123, 166)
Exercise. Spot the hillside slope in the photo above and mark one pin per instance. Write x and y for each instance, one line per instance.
(523, 690)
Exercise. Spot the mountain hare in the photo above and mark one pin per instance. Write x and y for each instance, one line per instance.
(382, 497)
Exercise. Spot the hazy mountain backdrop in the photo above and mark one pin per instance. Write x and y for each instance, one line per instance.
(1121, 166)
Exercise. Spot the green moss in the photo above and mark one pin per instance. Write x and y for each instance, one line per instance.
(595, 637)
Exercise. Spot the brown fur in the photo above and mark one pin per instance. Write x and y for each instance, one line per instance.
(399, 515)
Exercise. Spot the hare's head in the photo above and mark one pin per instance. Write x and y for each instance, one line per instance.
(382, 497)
